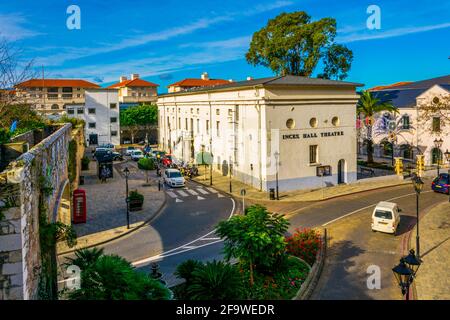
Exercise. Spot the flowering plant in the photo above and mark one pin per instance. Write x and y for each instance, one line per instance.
(304, 243)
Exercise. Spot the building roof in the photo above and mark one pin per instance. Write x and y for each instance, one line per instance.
(45, 83)
(404, 96)
(134, 83)
(390, 86)
(191, 82)
(274, 81)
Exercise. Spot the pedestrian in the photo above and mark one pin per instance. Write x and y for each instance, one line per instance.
(104, 174)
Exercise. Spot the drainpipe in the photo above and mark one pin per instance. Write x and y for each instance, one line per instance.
(258, 108)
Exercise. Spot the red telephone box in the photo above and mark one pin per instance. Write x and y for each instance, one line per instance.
(79, 206)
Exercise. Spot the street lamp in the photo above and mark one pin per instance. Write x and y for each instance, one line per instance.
(447, 156)
(229, 169)
(403, 274)
(412, 262)
(438, 145)
(418, 185)
(127, 173)
(277, 155)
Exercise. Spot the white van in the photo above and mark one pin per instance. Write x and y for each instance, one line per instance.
(386, 217)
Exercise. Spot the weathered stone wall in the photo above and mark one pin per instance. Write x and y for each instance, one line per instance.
(78, 135)
(20, 194)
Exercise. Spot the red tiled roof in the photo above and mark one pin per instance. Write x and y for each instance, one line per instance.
(189, 82)
(389, 86)
(133, 83)
(57, 83)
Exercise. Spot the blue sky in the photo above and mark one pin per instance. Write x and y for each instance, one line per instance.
(166, 41)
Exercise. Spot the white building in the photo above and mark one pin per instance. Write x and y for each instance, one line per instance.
(309, 122)
(414, 137)
(101, 114)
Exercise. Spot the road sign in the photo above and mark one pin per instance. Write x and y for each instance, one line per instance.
(243, 192)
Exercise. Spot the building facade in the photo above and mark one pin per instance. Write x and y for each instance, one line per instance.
(101, 114)
(413, 131)
(293, 125)
(135, 90)
(52, 96)
(192, 83)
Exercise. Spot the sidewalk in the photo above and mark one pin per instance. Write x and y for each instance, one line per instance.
(432, 282)
(222, 183)
(106, 206)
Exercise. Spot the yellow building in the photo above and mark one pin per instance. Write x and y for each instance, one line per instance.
(135, 90)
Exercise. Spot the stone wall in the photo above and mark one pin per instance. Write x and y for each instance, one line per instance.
(20, 194)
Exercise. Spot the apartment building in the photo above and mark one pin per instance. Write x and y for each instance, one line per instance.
(409, 134)
(135, 90)
(295, 126)
(101, 114)
(193, 83)
(52, 96)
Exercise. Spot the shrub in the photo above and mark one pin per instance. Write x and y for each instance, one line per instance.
(85, 258)
(304, 243)
(215, 281)
(135, 195)
(5, 135)
(186, 268)
(111, 277)
(146, 164)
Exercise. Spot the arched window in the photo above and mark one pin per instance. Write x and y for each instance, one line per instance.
(55, 107)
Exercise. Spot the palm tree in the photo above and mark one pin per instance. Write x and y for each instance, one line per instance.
(368, 105)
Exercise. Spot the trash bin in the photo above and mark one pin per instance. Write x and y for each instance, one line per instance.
(272, 193)
(81, 180)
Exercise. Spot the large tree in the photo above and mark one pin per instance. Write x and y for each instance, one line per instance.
(142, 116)
(368, 105)
(292, 44)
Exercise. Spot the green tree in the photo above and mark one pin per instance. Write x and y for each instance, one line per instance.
(137, 117)
(110, 277)
(292, 44)
(215, 281)
(368, 106)
(256, 238)
(146, 164)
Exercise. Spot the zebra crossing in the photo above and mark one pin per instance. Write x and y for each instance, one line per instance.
(194, 193)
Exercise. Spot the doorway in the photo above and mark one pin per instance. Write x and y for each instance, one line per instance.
(341, 171)
(93, 139)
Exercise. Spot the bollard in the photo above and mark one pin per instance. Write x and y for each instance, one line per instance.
(159, 185)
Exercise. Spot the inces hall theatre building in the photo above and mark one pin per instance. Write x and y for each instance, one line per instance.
(288, 124)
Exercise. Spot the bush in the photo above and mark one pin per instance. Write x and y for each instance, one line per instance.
(5, 135)
(215, 281)
(186, 268)
(111, 277)
(135, 195)
(304, 243)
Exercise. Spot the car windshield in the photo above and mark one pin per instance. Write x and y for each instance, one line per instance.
(383, 214)
(174, 174)
(137, 152)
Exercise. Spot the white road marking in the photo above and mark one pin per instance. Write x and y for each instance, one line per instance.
(367, 207)
(202, 191)
(200, 198)
(209, 239)
(178, 200)
(220, 196)
(212, 190)
(171, 194)
(192, 192)
(174, 251)
(189, 247)
(182, 193)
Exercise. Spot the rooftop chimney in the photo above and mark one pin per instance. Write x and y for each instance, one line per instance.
(122, 78)
(249, 78)
(230, 80)
(205, 76)
(134, 76)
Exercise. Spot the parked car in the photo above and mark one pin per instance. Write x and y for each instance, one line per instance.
(108, 146)
(136, 155)
(174, 178)
(441, 183)
(130, 150)
(104, 155)
(386, 217)
(167, 160)
(117, 156)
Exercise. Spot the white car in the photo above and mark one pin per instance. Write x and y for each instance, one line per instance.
(136, 155)
(386, 217)
(130, 150)
(174, 178)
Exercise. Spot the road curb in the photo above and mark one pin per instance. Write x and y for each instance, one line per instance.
(306, 201)
(155, 215)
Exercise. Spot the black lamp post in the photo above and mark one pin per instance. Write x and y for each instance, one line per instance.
(418, 185)
(447, 156)
(438, 145)
(404, 276)
(127, 173)
(412, 262)
(277, 155)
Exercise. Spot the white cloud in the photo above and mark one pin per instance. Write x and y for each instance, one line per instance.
(238, 42)
(12, 27)
(353, 37)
